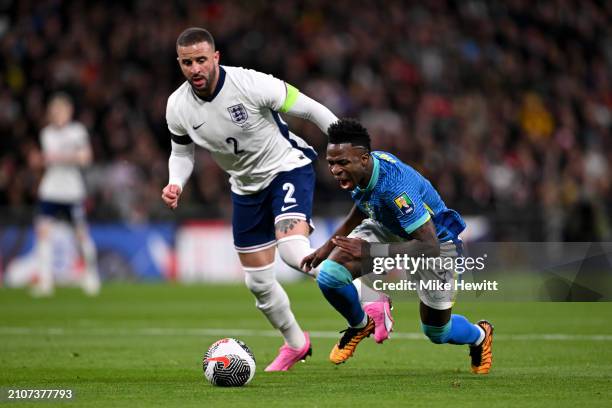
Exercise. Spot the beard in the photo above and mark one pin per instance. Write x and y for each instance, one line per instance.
(206, 90)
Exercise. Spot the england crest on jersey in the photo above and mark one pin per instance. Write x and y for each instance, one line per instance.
(238, 113)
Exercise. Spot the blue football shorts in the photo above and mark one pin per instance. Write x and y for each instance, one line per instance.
(73, 213)
(289, 196)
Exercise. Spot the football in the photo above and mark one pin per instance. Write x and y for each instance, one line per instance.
(229, 363)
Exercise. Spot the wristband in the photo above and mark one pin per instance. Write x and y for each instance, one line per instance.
(379, 250)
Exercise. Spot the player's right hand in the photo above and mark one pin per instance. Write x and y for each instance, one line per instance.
(313, 260)
(170, 195)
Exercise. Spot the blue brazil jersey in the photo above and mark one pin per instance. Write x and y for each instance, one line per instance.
(401, 199)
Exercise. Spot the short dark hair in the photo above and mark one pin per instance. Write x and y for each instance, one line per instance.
(348, 130)
(194, 35)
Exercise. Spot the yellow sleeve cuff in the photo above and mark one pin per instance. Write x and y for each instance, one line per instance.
(418, 223)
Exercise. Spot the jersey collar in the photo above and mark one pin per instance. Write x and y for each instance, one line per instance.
(373, 179)
(220, 83)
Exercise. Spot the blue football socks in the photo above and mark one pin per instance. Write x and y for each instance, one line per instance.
(458, 330)
(336, 284)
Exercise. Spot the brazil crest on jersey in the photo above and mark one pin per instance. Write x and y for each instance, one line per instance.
(401, 199)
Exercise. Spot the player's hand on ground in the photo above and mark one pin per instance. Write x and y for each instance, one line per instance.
(313, 260)
(352, 246)
(170, 195)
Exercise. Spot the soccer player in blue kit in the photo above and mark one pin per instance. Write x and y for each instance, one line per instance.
(399, 209)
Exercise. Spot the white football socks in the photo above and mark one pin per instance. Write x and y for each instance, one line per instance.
(90, 256)
(44, 254)
(273, 301)
(91, 281)
(293, 249)
(363, 322)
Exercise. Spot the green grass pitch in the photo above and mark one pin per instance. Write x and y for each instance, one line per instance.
(142, 345)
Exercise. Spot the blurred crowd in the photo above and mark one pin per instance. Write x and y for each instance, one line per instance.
(505, 106)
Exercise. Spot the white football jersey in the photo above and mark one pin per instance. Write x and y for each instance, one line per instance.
(63, 183)
(240, 127)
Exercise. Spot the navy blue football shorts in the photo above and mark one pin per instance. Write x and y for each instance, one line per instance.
(73, 213)
(289, 196)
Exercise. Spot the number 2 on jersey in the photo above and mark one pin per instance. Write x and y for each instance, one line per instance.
(233, 141)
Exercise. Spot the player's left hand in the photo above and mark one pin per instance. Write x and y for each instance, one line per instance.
(356, 247)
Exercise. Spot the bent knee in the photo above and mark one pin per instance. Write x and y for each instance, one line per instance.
(352, 264)
(333, 274)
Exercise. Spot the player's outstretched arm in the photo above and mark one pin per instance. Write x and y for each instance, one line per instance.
(300, 105)
(425, 243)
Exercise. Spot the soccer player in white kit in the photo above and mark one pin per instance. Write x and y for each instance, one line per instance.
(233, 113)
(66, 149)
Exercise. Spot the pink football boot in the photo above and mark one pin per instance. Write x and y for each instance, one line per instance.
(380, 312)
(288, 356)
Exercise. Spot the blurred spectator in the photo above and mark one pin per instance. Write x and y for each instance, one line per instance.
(505, 106)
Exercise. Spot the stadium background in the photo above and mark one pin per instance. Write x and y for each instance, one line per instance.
(505, 106)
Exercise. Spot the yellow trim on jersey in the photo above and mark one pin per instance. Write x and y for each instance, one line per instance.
(292, 94)
(418, 223)
(428, 209)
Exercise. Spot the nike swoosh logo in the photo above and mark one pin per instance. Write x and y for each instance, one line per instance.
(283, 208)
(197, 127)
